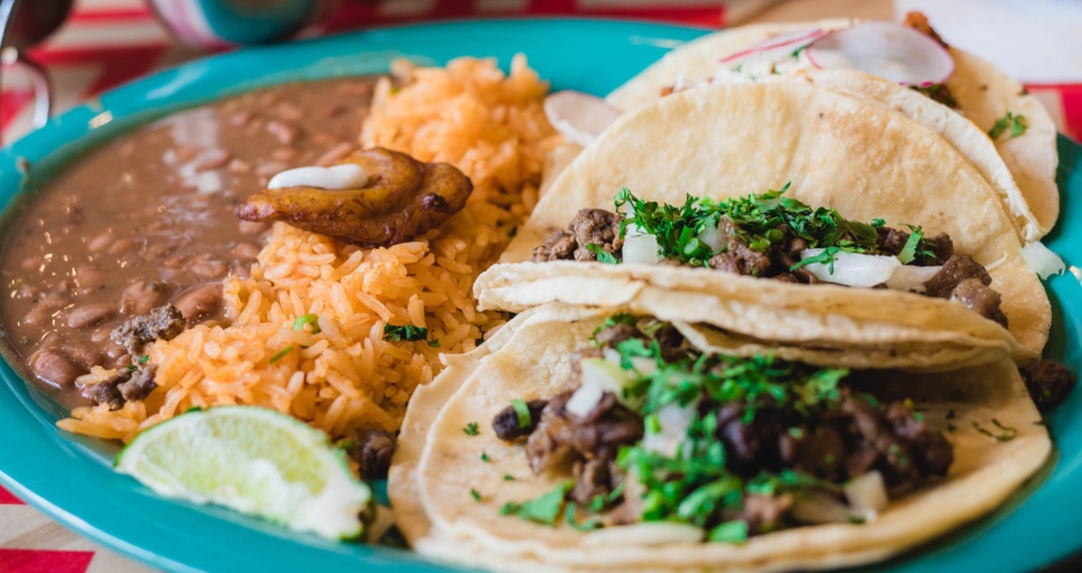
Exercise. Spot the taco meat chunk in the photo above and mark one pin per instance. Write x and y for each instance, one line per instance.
(1049, 383)
(591, 230)
(773, 442)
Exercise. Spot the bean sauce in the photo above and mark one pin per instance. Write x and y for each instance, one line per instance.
(148, 218)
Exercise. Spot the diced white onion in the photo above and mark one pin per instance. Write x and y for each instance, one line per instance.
(820, 508)
(853, 269)
(1042, 260)
(644, 365)
(585, 399)
(910, 278)
(673, 421)
(649, 533)
(713, 238)
(607, 375)
(640, 249)
(579, 117)
(867, 493)
(611, 355)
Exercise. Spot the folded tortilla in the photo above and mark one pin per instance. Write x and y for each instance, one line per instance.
(837, 150)
(984, 94)
(438, 465)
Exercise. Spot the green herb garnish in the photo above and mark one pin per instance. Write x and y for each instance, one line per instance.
(602, 255)
(434, 343)
(730, 532)
(281, 354)
(509, 477)
(485, 458)
(309, 319)
(587, 525)
(476, 495)
(756, 219)
(543, 509)
(144, 359)
(1016, 123)
(471, 429)
(522, 412)
(1008, 434)
(392, 332)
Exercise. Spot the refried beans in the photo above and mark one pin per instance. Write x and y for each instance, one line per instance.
(148, 218)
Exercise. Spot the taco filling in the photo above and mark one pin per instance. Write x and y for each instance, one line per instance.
(772, 236)
(651, 429)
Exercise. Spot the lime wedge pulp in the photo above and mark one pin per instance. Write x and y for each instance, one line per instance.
(253, 460)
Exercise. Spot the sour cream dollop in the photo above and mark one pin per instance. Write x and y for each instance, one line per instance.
(337, 177)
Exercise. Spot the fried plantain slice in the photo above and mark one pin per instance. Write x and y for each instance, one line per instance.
(403, 198)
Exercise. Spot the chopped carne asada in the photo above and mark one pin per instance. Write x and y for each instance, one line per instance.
(773, 236)
(1049, 383)
(719, 442)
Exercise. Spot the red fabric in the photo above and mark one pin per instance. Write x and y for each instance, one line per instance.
(7, 498)
(1071, 95)
(12, 104)
(39, 561)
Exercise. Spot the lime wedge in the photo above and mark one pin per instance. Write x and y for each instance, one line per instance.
(253, 460)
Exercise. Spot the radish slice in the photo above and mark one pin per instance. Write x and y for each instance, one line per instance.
(886, 49)
(579, 117)
(789, 40)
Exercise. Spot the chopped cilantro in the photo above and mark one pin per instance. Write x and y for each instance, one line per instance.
(916, 248)
(522, 413)
(476, 495)
(939, 93)
(877, 222)
(602, 255)
(471, 429)
(587, 525)
(281, 354)
(434, 343)
(1016, 123)
(309, 319)
(1008, 434)
(144, 359)
(543, 509)
(485, 458)
(131, 368)
(404, 332)
(508, 477)
(730, 532)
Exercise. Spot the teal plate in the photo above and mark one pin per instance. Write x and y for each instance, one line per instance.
(70, 479)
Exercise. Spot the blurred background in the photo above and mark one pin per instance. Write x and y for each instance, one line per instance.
(87, 46)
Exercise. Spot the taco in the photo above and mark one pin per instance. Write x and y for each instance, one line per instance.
(1003, 112)
(855, 171)
(599, 442)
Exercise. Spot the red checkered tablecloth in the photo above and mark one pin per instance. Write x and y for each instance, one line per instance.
(107, 42)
